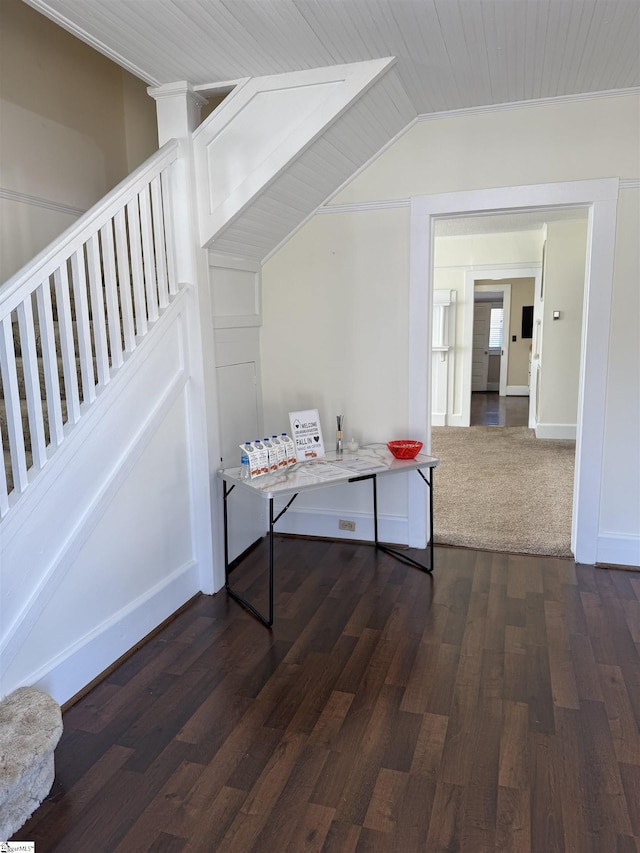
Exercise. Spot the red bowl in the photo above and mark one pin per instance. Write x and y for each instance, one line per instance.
(405, 449)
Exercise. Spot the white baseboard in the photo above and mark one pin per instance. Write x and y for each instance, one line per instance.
(556, 431)
(517, 390)
(618, 549)
(438, 419)
(80, 664)
(456, 420)
(315, 522)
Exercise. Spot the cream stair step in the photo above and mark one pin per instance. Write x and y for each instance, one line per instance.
(21, 379)
(27, 435)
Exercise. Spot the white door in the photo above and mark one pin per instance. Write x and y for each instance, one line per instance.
(480, 357)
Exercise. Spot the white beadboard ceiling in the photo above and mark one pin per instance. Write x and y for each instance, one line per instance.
(452, 54)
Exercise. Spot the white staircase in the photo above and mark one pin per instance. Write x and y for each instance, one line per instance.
(98, 345)
(73, 316)
(109, 421)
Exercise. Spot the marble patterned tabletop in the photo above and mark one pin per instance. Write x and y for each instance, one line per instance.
(330, 470)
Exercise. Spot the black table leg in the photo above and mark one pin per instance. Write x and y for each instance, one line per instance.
(267, 621)
(400, 555)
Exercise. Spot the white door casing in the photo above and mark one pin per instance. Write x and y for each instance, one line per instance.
(601, 197)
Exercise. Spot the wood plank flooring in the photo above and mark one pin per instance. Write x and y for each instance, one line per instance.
(492, 707)
(488, 408)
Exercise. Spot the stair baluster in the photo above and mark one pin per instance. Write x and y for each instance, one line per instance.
(69, 319)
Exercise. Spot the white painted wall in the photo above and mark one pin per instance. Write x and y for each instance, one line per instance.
(561, 339)
(560, 140)
(108, 547)
(620, 499)
(335, 304)
(334, 340)
(342, 281)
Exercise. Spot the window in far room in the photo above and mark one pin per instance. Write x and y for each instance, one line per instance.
(495, 329)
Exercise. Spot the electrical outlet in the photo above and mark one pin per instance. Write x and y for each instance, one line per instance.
(343, 524)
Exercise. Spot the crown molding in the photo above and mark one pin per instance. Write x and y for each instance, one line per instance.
(36, 201)
(391, 204)
(84, 36)
(537, 102)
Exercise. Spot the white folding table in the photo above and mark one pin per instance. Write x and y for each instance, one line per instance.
(368, 463)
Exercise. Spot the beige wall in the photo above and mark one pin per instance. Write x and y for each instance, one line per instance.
(522, 293)
(342, 281)
(72, 125)
(561, 339)
(560, 141)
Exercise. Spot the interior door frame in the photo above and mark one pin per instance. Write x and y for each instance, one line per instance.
(471, 288)
(601, 198)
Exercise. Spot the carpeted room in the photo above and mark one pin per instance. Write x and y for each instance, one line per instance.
(501, 489)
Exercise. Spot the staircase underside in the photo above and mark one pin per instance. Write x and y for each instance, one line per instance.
(294, 189)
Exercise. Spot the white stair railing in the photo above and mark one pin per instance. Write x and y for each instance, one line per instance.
(70, 318)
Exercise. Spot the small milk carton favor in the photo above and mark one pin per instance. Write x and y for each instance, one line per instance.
(272, 455)
(290, 448)
(281, 453)
(259, 460)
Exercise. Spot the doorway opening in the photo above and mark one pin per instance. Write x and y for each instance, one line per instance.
(600, 198)
(488, 408)
(501, 352)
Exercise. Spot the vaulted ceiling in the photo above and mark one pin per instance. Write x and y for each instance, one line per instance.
(448, 55)
(451, 54)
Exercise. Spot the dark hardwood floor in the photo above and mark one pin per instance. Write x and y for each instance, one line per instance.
(492, 707)
(488, 408)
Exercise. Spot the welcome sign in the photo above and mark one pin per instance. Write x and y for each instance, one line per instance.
(306, 435)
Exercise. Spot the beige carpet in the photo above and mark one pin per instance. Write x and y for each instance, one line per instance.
(501, 489)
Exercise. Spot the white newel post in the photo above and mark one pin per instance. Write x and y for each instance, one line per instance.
(178, 114)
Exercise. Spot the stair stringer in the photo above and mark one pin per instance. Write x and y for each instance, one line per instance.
(262, 127)
(109, 544)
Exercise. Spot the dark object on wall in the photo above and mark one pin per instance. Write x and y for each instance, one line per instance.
(527, 321)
